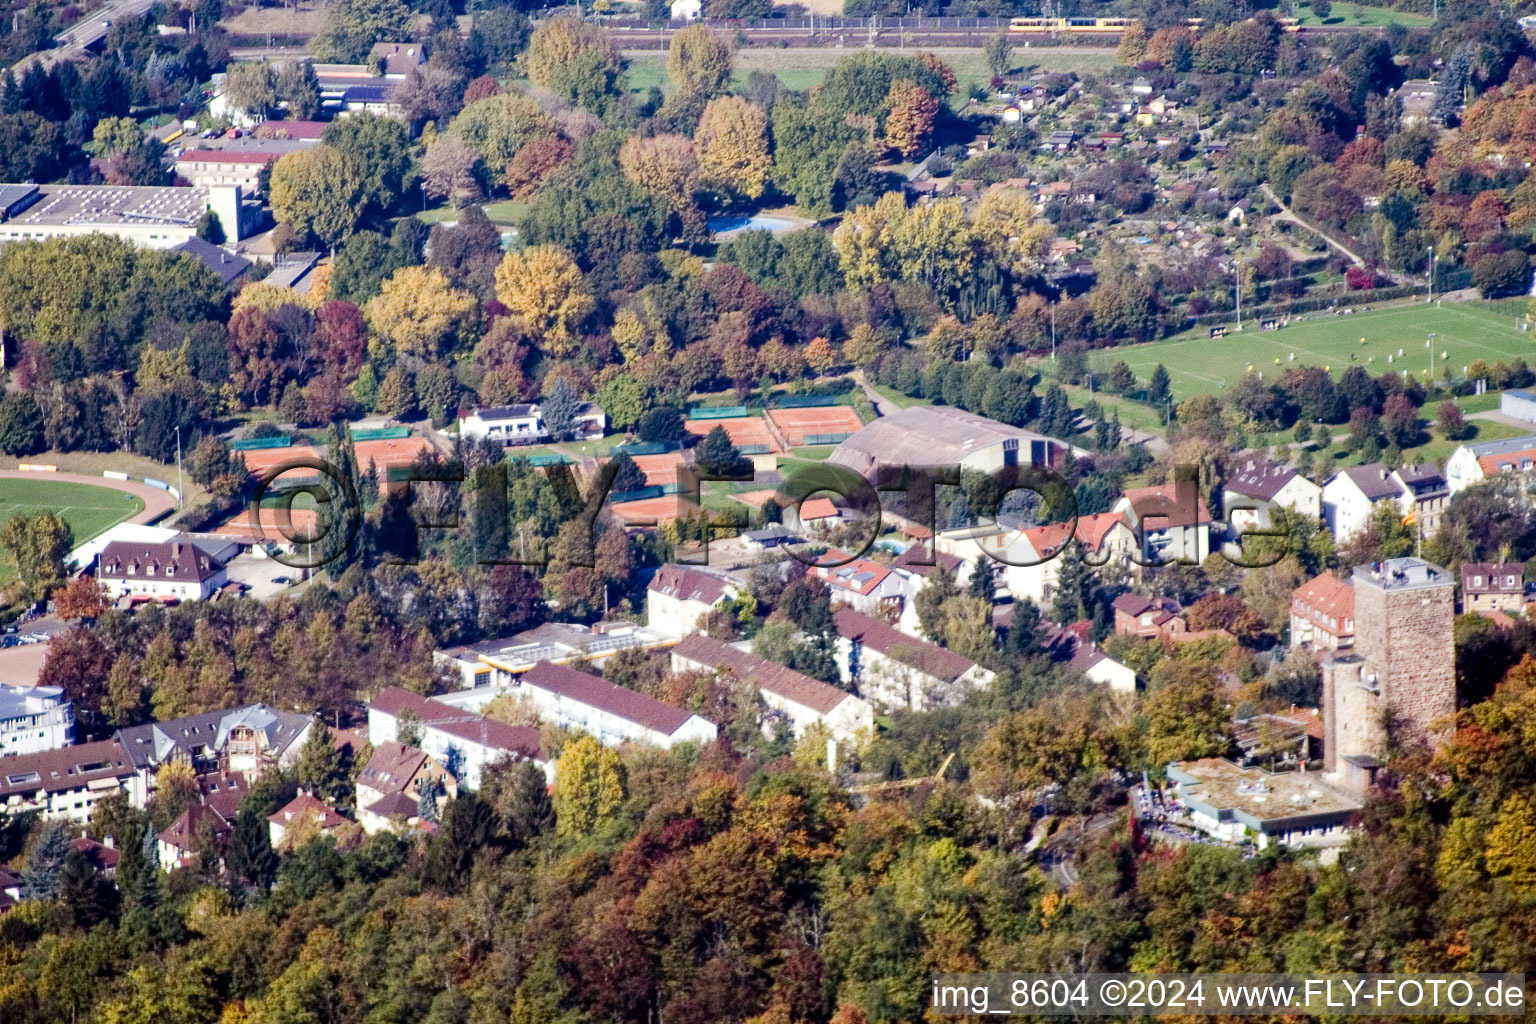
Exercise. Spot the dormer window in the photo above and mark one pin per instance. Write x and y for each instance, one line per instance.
(132, 569)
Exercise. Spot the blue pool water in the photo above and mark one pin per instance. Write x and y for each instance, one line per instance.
(731, 225)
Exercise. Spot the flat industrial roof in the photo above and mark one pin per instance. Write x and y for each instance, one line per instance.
(1258, 798)
(113, 204)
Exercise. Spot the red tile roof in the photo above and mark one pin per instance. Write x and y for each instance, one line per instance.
(768, 676)
(907, 561)
(519, 739)
(183, 831)
(391, 767)
(64, 768)
(599, 693)
(303, 804)
(1161, 504)
(291, 129)
(894, 644)
(860, 575)
(225, 156)
(687, 584)
(106, 857)
(1325, 594)
(817, 508)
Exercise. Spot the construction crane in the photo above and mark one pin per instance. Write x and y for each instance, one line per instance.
(885, 787)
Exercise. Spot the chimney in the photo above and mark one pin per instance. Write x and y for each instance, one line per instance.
(111, 842)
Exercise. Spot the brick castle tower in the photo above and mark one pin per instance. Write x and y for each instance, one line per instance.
(1403, 664)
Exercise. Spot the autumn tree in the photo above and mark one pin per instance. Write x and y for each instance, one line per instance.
(732, 140)
(663, 164)
(913, 110)
(498, 126)
(419, 313)
(1451, 421)
(589, 786)
(450, 168)
(544, 285)
(85, 597)
(318, 192)
(575, 60)
(1187, 715)
(699, 61)
(37, 545)
(535, 162)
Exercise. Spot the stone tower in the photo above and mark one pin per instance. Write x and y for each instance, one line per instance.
(1403, 666)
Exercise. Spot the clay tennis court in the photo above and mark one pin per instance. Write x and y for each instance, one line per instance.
(652, 510)
(659, 470)
(795, 424)
(743, 430)
(301, 524)
(385, 455)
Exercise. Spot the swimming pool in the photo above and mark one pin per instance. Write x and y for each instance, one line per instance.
(732, 225)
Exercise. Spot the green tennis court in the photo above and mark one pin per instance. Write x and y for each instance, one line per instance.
(1462, 334)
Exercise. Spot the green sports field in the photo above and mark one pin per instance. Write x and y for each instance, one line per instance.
(1463, 333)
(87, 509)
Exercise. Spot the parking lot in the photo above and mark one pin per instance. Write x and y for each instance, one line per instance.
(265, 577)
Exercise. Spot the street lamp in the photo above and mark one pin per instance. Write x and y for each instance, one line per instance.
(1431, 251)
(1237, 291)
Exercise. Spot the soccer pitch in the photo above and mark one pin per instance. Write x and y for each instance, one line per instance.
(89, 510)
(1463, 333)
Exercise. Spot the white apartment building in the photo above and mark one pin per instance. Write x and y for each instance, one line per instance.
(801, 700)
(66, 782)
(34, 719)
(463, 742)
(613, 715)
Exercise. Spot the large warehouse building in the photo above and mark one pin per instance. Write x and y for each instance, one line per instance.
(157, 217)
(941, 435)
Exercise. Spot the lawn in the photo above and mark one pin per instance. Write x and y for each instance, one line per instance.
(1363, 15)
(1435, 451)
(804, 67)
(1462, 333)
(89, 510)
(506, 212)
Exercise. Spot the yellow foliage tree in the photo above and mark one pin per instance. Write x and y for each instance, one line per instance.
(419, 313)
(1133, 45)
(1511, 847)
(1005, 224)
(544, 285)
(664, 164)
(699, 61)
(732, 142)
(863, 241)
(318, 192)
(630, 334)
(571, 58)
(589, 786)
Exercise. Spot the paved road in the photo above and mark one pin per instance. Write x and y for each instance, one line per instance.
(86, 32)
(884, 406)
(1287, 215)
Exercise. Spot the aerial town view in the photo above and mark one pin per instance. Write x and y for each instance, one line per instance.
(753, 512)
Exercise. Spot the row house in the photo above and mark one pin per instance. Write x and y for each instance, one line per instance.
(798, 698)
(572, 699)
(1323, 614)
(894, 670)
